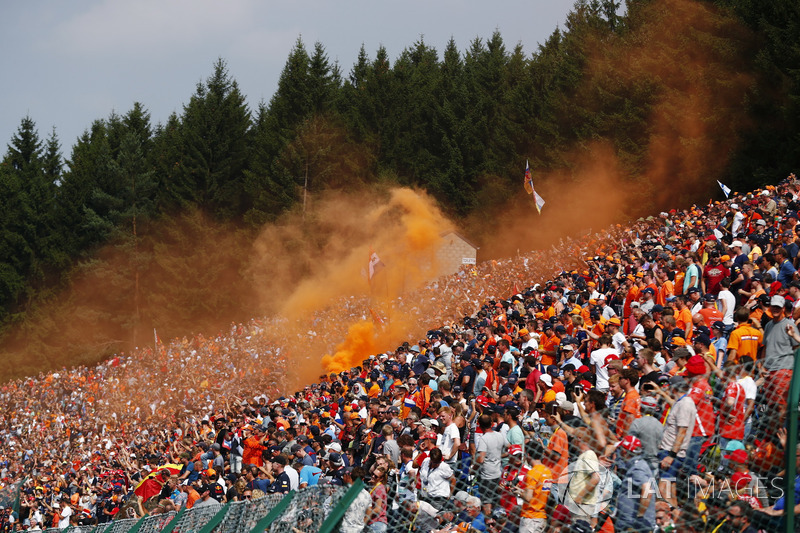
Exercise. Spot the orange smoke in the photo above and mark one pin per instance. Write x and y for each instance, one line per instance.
(679, 62)
(314, 273)
(357, 346)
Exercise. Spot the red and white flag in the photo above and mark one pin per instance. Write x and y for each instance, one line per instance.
(375, 265)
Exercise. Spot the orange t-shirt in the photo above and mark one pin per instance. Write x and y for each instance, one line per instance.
(193, 497)
(633, 296)
(665, 289)
(252, 452)
(539, 479)
(632, 408)
(558, 444)
(711, 315)
(550, 344)
(683, 320)
(746, 340)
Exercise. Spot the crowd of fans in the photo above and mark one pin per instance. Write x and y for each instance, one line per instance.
(640, 387)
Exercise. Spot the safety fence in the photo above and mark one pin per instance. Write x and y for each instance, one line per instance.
(312, 509)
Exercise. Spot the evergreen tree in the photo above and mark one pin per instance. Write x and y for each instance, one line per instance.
(215, 146)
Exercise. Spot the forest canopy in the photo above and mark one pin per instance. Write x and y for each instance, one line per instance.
(623, 111)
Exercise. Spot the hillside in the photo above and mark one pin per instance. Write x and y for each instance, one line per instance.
(220, 213)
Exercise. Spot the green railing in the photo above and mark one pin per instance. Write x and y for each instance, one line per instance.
(312, 509)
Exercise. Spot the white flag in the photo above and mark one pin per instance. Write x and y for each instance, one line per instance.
(725, 188)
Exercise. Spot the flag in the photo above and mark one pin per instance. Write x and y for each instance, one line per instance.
(158, 341)
(375, 264)
(530, 190)
(725, 188)
(152, 484)
(376, 318)
(528, 178)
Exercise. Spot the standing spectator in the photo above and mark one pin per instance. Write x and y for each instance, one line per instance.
(781, 339)
(534, 491)
(636, 502)
(489, 446)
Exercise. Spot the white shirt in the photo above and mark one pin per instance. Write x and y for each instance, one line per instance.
(598, 359)
(294, 477)
(619, 342)
(750, 388)
(533, 342)
(65, 513)
(435, 482)
(730, 303)
(738, 217)
(608, 312)
(448, 440)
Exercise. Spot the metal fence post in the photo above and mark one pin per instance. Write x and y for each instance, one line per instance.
(790, 453)
(138, 525)
(273, 515)
(337, 513)
(216, 519)
(174, 522)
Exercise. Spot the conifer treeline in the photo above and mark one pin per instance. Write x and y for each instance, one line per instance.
(458, 123)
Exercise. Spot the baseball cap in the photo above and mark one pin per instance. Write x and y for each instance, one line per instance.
(709, 297)
(546, 379)
(695, 366)
(429, 435)
(461, 496)
(515, 449)
(741, 480)
(614, 321)
(737, 456)
(649, 402)
(609, 358)
(630, 443)
(777, 301)
(735, 244)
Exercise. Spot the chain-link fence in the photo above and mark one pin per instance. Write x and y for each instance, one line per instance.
(303, 511)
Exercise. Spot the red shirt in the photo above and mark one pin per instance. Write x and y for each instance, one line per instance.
(732, 426)
(713, 275)
(706, 419)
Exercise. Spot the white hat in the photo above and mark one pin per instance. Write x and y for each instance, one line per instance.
(546, 379)
(735, 206)
(735, 243)
(777, 301)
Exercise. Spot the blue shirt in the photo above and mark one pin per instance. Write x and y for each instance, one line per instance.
(310, 475)
(786, 273)
(782, 500)
(479, 523)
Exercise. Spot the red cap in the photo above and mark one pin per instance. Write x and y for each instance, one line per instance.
(740, 480)
(429, 435)
(630, 443)
(482, 400)
(583, 369)
(515, 449)
(586, 385)
(609, 358)
(695, 366)
(737, 456)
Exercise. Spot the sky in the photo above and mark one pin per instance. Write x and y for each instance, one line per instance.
(66, 64)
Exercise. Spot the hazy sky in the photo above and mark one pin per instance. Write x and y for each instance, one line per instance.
(68, 63)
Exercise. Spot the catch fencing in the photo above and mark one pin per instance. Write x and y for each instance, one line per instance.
(312, 509)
